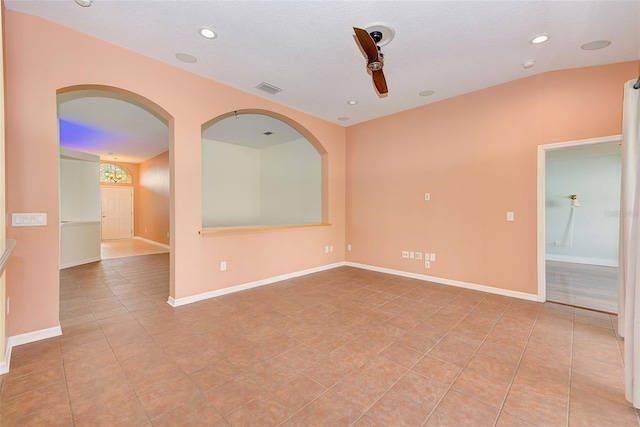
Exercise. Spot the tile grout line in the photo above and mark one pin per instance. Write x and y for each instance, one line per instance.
(524, 350)
(465, 365)
(341, 379)
(113, 351)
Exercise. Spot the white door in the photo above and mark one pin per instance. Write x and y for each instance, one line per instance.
(117, 212)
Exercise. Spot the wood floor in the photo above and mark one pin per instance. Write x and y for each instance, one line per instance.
(589, 286)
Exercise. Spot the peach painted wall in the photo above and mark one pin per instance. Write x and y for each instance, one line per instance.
(152, 221)
(476, 155)
(135, 178)
(36, 67)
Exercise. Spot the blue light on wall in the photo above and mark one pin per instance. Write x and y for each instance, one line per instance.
(84, 138)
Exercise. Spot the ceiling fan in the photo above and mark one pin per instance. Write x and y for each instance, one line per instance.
(370, 40)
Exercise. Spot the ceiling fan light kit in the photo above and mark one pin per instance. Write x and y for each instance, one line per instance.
(370, 39)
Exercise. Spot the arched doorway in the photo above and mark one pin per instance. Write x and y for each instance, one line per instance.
(124, 129)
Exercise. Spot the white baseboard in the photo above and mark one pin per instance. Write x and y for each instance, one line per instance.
(219, 292)
(442, 281)
(153, 242)
(27, 338)
(582, 260)
(4, 366)
(195, 298)
(81, 262)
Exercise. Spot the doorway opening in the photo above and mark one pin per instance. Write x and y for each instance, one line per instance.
(130, 137)
(578, 223)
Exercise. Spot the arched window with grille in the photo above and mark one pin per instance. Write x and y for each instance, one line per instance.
(114, 173)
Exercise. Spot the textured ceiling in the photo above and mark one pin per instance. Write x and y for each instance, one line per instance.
(251, 130)
(307, 48)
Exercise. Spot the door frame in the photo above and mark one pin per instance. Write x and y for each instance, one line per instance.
(133, 224)
(542, 154)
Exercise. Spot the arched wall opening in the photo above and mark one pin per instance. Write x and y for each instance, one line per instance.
(262, 169)
(158, 169)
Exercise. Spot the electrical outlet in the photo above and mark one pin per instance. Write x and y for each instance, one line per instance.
(426, 256)
(418, 255)
(432, 257)
(405, 254)
(326, 249)
(330, 248)
(223, 265)
(348, 247)
(427, 196)
(427, 264)
(412, 255)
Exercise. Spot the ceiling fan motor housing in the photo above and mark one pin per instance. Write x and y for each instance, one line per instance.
(376, 36)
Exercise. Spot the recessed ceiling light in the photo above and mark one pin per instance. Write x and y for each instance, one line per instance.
(343, 119)
(185, 57)
(539, 39)
(426, 93)
(84, 3)
(596, 44)
(352, 102)
(207, 33)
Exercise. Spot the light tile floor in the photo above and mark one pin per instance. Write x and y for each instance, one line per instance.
(110, 249)
(337, 348)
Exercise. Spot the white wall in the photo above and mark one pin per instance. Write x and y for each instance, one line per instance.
(595, 179)
(291, 184)
(80, 213)
(245, 186)
(79, 243)
(230, 185)
(79, 190)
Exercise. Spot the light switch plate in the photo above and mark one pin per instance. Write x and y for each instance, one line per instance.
(28, 219)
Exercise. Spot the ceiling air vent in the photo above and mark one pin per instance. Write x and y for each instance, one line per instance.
(269, 88)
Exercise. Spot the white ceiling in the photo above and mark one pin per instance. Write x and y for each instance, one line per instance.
(249, 130)
(101, 123)
(609, 149)
(114, 126)
(307, 48)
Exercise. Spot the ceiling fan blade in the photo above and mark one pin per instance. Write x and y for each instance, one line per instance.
(367, 44)
(380, 81)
